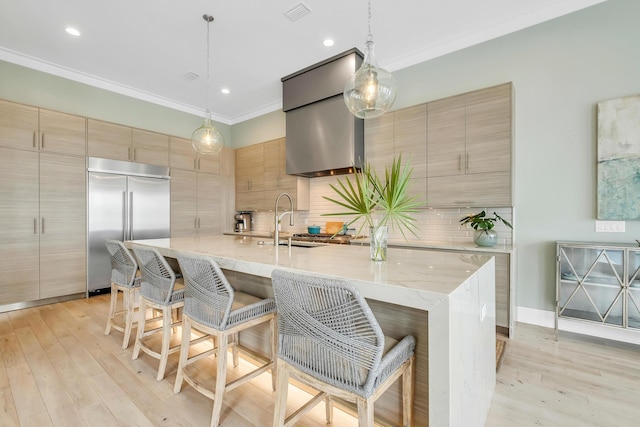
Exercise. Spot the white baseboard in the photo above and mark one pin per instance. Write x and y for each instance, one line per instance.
(534, 316)
(546, 319)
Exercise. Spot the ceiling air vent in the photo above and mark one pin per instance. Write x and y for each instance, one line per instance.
(191, 76)
(297, 12)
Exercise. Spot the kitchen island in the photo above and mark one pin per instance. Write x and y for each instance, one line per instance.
(445, 300)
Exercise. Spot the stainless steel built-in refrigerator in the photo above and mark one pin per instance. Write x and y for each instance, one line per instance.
(127, 201)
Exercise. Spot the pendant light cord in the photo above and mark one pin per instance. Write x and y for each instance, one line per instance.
(208, 18)
(370, 36)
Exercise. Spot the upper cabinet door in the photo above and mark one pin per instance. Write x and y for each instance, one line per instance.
(488, 127)
(379, 144)
(108, 140)
(410, 130)
(62, 133)
(209, 163)
(150, 147)
(446, 154)
(18, 126)
(271, 164)
(182, 155)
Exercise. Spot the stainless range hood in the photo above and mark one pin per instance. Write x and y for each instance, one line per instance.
(323, 137)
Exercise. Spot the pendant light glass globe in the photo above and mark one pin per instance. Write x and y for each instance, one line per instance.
(371, 91)
(207, 139)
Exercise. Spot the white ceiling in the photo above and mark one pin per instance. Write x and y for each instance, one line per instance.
(143, 48)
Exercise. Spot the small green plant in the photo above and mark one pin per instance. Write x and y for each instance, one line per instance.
(481, 221)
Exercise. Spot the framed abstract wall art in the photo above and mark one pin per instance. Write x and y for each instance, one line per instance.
(619, 159)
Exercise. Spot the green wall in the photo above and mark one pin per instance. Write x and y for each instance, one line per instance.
(560, 70)
(32, 87)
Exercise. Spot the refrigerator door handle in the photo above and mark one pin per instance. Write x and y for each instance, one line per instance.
(131, 215)
(124, 216)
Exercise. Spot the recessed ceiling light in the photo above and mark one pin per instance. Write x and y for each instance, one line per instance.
(225, 90)
(328, 42)
(72, 31)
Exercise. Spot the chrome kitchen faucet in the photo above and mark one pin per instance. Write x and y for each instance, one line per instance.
(277, 218)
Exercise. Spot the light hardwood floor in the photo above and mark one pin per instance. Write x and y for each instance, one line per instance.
(57, 368)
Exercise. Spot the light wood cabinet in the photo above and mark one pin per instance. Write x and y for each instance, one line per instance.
(35, 129)
(402, 132)
(19, 233)
(469, 149)
(250, 178)
(118, 142)
(62, 133)
(196, 207)
(261, 176)
(183, 156)
(62, 225)
(379, 146)
(18, 126)
(149, 147)
(43, 200)
(108, 140)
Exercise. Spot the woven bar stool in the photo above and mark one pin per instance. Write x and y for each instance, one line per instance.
(212, 307)
(329, 339)
(123, 279)
(158, 291)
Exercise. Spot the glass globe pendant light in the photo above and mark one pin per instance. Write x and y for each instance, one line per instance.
(207, 139)
(371, 91)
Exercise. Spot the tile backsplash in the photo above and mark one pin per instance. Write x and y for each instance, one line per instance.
(436, 225)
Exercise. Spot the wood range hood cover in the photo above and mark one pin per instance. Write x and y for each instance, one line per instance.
(323, 137)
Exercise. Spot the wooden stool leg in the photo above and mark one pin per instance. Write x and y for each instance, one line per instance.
(234, 350)
(112, 308)
(273, 327)
(142, 315)
(221, 379)
(184, 353)
(365, 413)
(166, 340)
(282, 390)
(328, 402)
(407, 393)
(128, 325)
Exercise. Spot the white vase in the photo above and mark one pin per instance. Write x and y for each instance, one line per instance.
(486, 238)
(378, 244)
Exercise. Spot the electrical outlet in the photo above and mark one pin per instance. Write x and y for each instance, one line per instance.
(610, 226)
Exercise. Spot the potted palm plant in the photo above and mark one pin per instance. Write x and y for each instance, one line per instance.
(484, 234)
(379, 203)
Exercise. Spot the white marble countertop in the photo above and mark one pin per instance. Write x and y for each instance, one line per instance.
(410, 277)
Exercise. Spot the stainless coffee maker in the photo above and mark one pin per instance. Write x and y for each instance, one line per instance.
(243, 222)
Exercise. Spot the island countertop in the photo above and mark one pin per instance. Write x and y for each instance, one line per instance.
(410, 277)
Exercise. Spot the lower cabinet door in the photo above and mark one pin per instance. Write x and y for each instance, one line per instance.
(62, 225)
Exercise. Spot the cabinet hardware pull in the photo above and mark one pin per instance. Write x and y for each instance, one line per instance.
(42, 225)
(459, 162)
(467, 168)
(34, 139)
(134, 154)
(35, 225)
(129, 153)
(199, 164)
